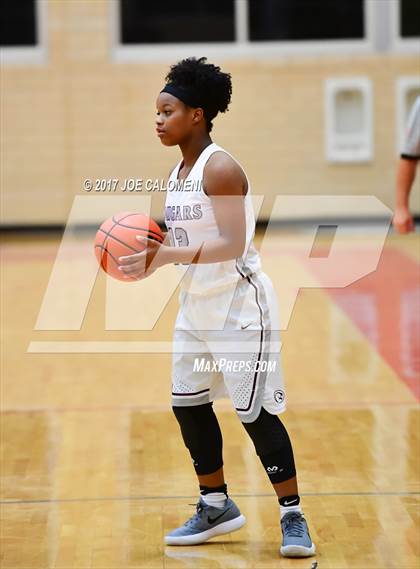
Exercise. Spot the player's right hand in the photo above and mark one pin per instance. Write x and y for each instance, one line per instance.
(403, 220)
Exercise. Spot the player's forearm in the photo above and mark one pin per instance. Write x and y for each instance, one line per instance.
(215, 251)
(405, 177)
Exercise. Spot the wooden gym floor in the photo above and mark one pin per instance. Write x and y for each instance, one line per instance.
(93, 468)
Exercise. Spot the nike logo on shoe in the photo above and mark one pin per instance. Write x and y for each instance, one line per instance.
(212, 520)
(246, 325)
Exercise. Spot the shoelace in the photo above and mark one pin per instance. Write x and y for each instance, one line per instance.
(294, 525)
(199, 509)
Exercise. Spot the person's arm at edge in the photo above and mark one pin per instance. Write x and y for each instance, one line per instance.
(406, 174)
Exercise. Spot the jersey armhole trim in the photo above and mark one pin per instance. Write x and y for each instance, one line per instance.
(219, 149)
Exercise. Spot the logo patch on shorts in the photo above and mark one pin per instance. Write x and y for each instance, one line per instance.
(279, 396)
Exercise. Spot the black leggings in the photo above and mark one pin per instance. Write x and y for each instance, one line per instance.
(203, 438)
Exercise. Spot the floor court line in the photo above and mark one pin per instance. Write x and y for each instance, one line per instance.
(194, 497)
(291, 407)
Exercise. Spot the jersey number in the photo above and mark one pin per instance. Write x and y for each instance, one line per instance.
(180, 235)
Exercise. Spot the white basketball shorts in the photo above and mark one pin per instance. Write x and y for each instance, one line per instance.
(228, 344)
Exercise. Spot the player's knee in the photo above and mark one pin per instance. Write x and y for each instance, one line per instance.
(273, 446)
(202, 436)
(267, 433)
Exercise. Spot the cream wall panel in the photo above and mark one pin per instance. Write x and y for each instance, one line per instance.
(82, 116)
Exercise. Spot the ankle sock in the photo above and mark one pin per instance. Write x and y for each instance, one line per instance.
(215, 497)
(289, 504)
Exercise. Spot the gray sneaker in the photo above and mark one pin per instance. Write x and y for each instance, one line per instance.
(296, 539)
(206, 523)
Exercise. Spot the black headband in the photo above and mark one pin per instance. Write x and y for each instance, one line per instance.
(187, 95)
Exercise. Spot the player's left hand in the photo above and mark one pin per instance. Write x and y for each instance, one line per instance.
(143, 264)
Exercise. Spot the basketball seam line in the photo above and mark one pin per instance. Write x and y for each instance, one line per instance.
(112, 257)
(115, 223)
(131, 227)
(110, 236)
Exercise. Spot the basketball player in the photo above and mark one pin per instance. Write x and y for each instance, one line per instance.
(410, 155)
(225, 301)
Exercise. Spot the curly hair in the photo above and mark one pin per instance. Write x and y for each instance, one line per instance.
(213, 86)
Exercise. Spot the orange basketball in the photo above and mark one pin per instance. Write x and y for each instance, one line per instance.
(117, 237)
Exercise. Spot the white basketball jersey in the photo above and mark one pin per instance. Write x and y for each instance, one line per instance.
(190, 220)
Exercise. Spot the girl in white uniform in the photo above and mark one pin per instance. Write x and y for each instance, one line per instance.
(226, 338)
